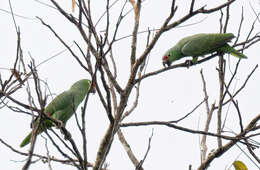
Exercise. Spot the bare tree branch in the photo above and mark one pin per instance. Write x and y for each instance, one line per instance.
(209, 112)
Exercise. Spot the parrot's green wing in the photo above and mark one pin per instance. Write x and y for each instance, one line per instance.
(201, 44)
(63, 106)
(59, 102)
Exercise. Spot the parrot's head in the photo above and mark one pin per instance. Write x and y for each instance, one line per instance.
(170, 56)
(165, 60)
(83, 86)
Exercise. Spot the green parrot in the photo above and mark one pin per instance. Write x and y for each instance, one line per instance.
(63, 106)
(199, 45)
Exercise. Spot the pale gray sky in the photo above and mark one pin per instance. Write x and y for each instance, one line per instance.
(165, 97)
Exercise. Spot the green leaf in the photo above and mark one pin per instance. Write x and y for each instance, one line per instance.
(239, 165)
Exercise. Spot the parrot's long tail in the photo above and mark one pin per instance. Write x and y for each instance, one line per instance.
(230, 50)
(26, 140)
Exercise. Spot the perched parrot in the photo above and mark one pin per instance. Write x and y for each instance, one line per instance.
(63, 106)
(199, 45)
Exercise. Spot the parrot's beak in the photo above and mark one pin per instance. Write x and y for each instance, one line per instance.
(93, 88)
(166, 63)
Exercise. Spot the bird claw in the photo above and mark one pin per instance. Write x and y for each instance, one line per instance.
(59, 124)
(189, 63)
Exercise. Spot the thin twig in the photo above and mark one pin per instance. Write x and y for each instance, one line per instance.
(209, 117)
(139, 167)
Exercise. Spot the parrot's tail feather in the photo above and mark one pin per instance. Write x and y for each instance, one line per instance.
(230, 50)
(26, 140)
(238, 54)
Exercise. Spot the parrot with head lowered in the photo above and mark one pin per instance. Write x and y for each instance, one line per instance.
(199, 45)
(63, 106)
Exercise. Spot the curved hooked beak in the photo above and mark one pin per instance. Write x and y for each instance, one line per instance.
(166, 63)
(93, 88)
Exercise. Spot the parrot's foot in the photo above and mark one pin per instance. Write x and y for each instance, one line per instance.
(189, 63)
(59, 124)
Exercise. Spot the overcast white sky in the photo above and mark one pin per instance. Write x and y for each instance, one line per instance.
(165, 97)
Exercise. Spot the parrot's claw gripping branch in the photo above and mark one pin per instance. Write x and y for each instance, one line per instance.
(59, 124)
(189, 63)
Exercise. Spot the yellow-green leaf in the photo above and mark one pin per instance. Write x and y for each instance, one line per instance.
(239, 165)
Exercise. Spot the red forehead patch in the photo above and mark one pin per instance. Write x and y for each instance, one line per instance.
(164, 58)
